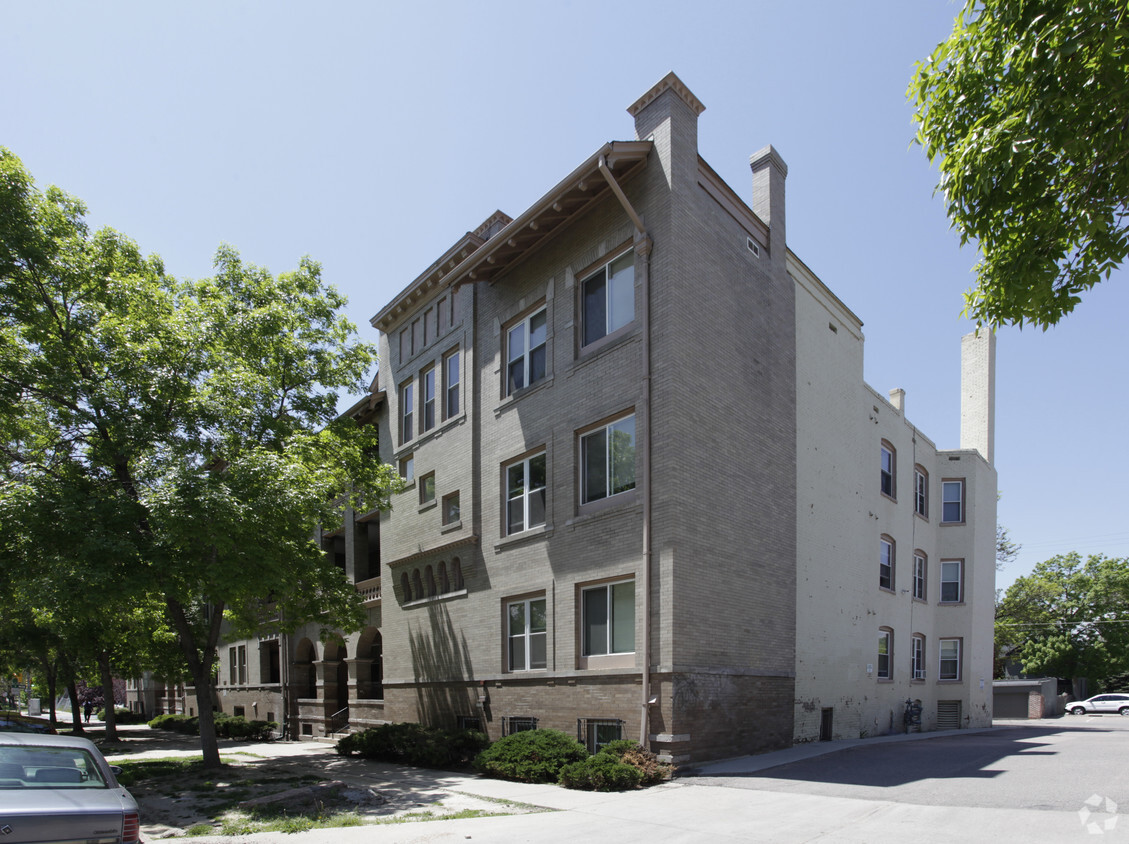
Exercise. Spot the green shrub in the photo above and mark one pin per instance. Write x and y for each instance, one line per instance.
(414, 744)
(121, 716)
(602, 772)
(238, 727)
(227, 726)
(189, 725)
(619, 747)
(530, 756)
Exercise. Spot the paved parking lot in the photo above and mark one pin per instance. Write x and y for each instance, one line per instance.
(1053, 765)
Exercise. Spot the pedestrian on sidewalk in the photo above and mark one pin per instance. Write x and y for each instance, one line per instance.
(87, 711)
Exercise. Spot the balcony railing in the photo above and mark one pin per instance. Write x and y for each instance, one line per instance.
(370, 590)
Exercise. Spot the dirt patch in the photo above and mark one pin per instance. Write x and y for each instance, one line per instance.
(289, 781)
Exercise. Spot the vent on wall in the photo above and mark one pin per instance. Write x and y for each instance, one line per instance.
(753, 247)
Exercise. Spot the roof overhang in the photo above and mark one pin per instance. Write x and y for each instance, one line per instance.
(475, 258)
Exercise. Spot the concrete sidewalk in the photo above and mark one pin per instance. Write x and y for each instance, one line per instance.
(698, 809)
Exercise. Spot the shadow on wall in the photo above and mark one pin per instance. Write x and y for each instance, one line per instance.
(443, 671)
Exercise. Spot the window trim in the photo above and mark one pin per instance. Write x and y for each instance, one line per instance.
(609, 655)
(961, 503)
(427, 400)
(959, 642)
(424, 499)
(888, 478)
(921, 491)
(582, 464)
(918, 669)
(527, 635)
(407, 461)
(885, 541)
(885, 636)
(603, 266)
(920, 575)
(524, 320)
(407, 411)
(454, 355)
(446, 504)
(528, 491)
(959, 581)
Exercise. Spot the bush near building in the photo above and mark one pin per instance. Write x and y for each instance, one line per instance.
(530, 756)
(414, 744)
(227, 726)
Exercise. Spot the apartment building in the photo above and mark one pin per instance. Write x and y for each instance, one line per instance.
(649, 494)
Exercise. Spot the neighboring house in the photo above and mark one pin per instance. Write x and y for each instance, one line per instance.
(650, 495)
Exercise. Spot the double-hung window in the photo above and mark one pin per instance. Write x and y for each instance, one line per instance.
(608, 621)
(948, 668)
(526, 623)
(885, 651)
(952, 501)
(921, 492)
(428, 379)
(919, 575)
(525, 494)
(886, 563)
(525, 352)
(887, 469)
(607, 460)
(919, 657)
(952, 572)
(407, 411)
(451, 385)
(608, 298)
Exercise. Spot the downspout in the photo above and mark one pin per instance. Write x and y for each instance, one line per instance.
(643, 250)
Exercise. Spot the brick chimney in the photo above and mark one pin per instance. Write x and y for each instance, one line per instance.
(769, 173)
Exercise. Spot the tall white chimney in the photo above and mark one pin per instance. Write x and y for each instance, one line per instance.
(978, 392)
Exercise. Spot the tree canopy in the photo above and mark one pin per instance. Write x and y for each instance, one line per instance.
(1024, 109)
(1068, 618)
(172, 440)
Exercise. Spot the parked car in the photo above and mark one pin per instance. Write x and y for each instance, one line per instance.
(16, 722)
(1118, 703)
(60, 788)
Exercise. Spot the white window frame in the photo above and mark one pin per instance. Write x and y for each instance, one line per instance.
(521, 644)
(946, 500)
(526, 493)
(524, 329)
(886, 552)
(408, 468)
(428, 397)
(609, 645)
(452, 381)
(958, 580)
(888, 468)
(920, 576)
(918, 659)
(612, 486)
(614, 283)
(951, 659)
(885, 638)
(921, 492)
(407, 411)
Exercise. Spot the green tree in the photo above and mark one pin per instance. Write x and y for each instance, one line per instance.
(1024, 110)
(196, 420)
(1068, 618)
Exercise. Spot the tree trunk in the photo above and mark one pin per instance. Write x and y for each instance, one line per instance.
(51, 675)
(200, 661)
(76, 707)
(108, 696)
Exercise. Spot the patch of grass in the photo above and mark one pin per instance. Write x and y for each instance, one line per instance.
(139, 770)
(200, 829)
(428, 815)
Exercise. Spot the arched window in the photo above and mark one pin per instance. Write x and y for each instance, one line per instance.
(417, 585)
(457, 573)
(886, 562)
(889, 467)
(444, 582)
(406, 587)
(428, 582)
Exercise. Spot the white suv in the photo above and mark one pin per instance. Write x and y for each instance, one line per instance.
(1118, 703)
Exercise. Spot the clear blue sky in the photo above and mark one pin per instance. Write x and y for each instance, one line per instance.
(371, 135)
